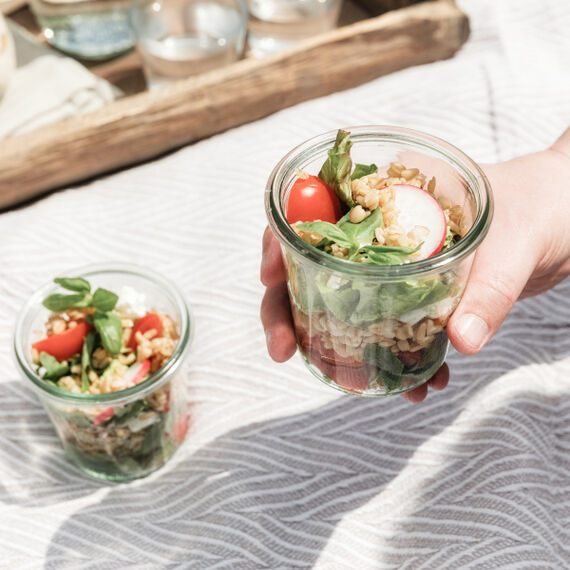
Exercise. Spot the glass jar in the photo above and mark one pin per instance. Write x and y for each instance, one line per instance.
(275, 25)
(378, 330)
(180, 38)
(89, 29)
(120, 435)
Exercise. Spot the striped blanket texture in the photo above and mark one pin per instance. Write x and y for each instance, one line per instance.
(279, 471)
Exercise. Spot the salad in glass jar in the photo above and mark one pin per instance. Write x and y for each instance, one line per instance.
(376, 257)
(104, 364)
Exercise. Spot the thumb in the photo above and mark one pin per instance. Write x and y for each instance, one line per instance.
(498, 276)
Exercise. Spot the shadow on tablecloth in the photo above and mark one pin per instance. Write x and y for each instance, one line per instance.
(477, 473)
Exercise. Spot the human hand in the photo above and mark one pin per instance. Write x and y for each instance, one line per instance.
(526, 252)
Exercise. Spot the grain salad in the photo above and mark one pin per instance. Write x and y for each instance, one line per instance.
(368, 336)
(99, 343)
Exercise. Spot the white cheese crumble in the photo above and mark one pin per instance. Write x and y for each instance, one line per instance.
(132, 302)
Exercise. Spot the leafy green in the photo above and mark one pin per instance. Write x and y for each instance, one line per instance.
(107, 323)
(363, 232)
(77, 284)
(109, 327)
(336, 170)
(389, 366)
(340, 302)
(104, 300)
(131, 411)
(327, 230)
(58, 302)
(451, 238)
(88, 346)
(361, 170)
(153, 436)
(53, 368)
(385, 254)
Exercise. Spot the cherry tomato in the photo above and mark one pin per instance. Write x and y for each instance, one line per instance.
(144, 324)
(348, 373)
(63, 346)
(311, 199)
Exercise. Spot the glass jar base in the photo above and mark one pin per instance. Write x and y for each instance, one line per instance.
(351, 382)
(102, 469)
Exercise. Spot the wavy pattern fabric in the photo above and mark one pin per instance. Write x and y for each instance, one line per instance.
(278, 471)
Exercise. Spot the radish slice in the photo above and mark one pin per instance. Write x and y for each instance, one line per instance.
(419, 208)
(104, 415)
(137, 372)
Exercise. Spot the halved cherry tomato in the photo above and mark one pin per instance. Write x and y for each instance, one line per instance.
(63, 346)
(350, 374)
(144, 324)
(311, 199)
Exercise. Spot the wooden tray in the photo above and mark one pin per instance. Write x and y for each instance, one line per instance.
(145, 124)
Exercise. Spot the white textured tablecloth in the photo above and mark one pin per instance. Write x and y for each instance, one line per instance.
(278, 470)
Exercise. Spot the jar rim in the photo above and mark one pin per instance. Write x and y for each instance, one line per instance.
(120, 397)
(478, 183)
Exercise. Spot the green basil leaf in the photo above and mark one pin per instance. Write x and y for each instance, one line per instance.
(77, 284)
(58, 302)
(153, 437)
(361, 170)
(53, 368)
(389, 366)
(337, 168)
(371, 306)
(406, 296)
(104, 300)
(130, 411)
(86, 351)
(109, 327)
(385, 255)
(330, 231)
(340, 302)
(363, 232)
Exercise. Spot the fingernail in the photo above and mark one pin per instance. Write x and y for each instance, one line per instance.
(473, 330)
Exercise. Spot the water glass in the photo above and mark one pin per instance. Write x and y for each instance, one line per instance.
(180, 38)
(278, 24)
(88, 29)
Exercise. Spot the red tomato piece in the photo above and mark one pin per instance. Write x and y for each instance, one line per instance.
(63, 346)
(149, 322)
(103, 416)
(311, 199)
(181, 427)
(349, 374)
(350, 378)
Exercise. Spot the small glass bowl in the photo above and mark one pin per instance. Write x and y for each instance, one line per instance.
(378, 330)
(120, 435)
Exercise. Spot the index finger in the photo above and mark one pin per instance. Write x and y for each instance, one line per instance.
(272, 271)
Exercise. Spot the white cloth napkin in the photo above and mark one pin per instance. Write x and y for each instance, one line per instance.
(49, 89)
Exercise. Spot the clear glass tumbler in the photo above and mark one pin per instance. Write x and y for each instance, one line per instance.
(180, 38)
(126, 434)
(88, 29)
(377, 330)
(275, 25)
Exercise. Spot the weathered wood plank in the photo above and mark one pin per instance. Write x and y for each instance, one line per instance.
(145, 125)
